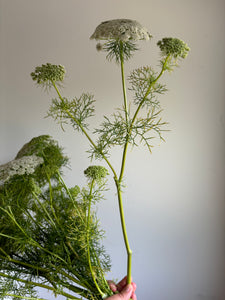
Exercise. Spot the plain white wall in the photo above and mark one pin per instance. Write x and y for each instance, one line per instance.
(174, 202)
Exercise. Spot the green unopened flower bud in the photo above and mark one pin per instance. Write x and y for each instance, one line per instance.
(99, 47)
(173, 47)
(96, 173)
(48, 73)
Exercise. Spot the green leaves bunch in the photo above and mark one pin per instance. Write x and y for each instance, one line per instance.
(49, 234)
(140, 80)
(116, 48)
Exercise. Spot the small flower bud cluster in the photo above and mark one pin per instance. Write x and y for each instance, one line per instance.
(174, 47)
(24, 165)
(121, 29)
(96, 173)
(48, 72)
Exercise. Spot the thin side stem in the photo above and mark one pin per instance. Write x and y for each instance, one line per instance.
(44, 209)
(51, 198)
(148, 91)
(88, 239)
(85, 132)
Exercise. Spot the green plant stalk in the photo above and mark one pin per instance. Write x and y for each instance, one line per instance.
(136, 113)
(118, 182)
(123, 82)
(45, 210)
(88, 239)
(125, 236)
(70, 196)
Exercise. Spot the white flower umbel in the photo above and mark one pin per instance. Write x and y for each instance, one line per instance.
(121, 29)
(21, 166)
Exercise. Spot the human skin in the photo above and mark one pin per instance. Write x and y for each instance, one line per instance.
(125, 291)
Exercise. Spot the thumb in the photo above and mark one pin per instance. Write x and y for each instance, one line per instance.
(126, 292)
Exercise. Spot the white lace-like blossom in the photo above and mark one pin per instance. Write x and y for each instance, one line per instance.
(24, 165)
(121, 29)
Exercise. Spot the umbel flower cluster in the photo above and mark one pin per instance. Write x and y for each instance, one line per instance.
(24, 165)
(173, 47)
(50, 236)
(47, 73)
(121, 29)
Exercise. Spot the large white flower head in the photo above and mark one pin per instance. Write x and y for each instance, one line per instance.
(21, 166)
(121, 29)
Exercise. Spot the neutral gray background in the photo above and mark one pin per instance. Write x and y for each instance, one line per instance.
(174, 202)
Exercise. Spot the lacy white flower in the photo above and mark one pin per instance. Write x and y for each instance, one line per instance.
(20, 166)
(121, 29)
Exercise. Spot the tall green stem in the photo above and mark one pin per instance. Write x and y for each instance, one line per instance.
(125, 236)
(118, 182)
(126, 111)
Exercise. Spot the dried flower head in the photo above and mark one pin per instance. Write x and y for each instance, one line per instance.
(174, 47)
(96, 173)
(46, 74)
(121, 29)
(21, 166)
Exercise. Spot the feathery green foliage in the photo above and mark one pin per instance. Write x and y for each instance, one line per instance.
(74, 112)
(43, 234)
(116, 48)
